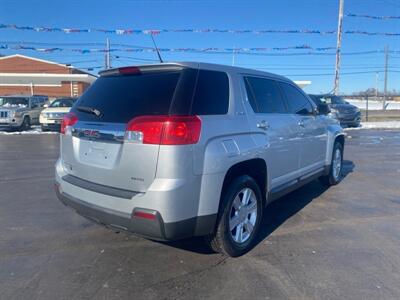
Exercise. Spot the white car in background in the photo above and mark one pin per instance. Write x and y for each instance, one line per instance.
(51, 117)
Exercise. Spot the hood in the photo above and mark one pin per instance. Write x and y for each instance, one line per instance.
(56, 110)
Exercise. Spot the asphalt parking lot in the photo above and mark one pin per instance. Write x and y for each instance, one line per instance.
(339, 243)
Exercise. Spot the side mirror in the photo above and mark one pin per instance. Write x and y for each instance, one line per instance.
(45, 105)
(323, 109)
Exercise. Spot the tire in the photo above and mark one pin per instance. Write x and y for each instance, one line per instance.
(26, 124)
(335, 173)
(233, 242)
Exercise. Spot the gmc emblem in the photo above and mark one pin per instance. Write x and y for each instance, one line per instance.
(91, 133)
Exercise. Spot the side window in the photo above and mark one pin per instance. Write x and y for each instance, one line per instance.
(34, 103)
(297, 102)
(212, 93)
(264, 95)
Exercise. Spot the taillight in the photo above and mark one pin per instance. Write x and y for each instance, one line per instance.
(69, 120)
(164, 130)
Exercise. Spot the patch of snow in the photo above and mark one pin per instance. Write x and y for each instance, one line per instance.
(14, 105)
(373, 104)
(377, 125)
(35, 129)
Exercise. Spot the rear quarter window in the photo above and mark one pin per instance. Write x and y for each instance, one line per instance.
(211, 96)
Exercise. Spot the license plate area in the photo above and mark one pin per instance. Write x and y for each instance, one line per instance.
(97, 154)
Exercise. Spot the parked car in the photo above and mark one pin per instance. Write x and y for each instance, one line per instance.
(20, 112)
(176, 150)
(52, 115)
(346, 113)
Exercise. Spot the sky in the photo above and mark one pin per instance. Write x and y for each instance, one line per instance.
(222, 14)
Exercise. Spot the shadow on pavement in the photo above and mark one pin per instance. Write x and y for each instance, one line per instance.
(274, 215)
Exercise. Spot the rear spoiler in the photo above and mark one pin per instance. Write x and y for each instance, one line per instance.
(132, 70)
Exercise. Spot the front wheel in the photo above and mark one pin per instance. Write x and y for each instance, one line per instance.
(26, 124)
(239, 218)
(335, 171)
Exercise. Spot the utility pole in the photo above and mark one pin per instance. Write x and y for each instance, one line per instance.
(107, 59)
(338, 47)
(386, 77)
(376, 85)
(233, 56)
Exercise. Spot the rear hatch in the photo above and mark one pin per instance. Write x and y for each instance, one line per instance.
(95, 148)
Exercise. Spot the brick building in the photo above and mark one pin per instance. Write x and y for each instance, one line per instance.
(21, 74)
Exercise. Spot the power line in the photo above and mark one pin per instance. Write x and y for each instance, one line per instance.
(345, 73)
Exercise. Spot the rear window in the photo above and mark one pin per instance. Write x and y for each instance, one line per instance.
(183, 92)
(120, 98)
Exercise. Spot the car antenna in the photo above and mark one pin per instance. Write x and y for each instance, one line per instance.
(155, 46)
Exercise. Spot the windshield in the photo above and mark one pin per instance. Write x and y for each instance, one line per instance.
(62, 103)
(332, 100)
(14, 102)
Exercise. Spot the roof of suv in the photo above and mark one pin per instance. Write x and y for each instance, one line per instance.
(215, 67)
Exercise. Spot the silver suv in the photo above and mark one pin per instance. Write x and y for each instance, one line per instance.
(20, 112)
(176, 150)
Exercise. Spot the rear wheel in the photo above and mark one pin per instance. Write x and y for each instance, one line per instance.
(239, 218)
(335, 170)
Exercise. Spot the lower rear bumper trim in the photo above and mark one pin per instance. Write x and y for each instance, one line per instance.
(154, 229)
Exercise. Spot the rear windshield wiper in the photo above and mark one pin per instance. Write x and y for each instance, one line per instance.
(90, 110)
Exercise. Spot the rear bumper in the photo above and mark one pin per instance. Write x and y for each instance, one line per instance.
(173, 205)
(154, 229)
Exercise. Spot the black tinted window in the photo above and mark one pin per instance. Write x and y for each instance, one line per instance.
(264, 95)
(250, 96)
(212, 93)
(297, 102)
(120, 98)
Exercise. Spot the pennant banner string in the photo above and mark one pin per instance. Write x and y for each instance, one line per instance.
(255, 51)
(374, 17)
(158, 31)
(147, 49)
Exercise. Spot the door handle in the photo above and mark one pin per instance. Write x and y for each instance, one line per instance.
(263, 125)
